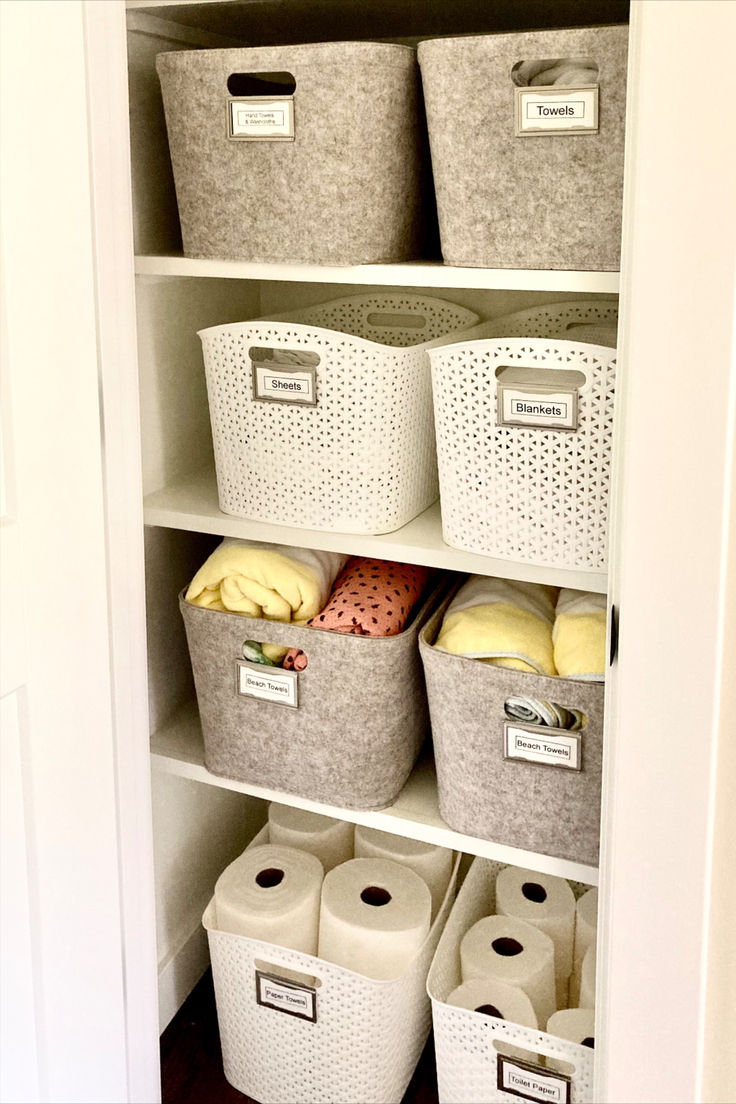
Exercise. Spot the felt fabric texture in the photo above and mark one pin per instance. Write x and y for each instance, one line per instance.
(372, 597)
(504, 623)
(549, 201)
(344, 191)
(579, 635)
(522, 804)
(361, 716)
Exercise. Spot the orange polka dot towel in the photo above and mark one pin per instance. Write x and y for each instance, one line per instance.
(372, 597)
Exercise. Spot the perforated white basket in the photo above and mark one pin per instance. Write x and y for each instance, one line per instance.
(530, 494)
(467, 1059)
(362, 1047)
(360, 457)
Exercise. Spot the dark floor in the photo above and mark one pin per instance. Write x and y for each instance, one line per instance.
(191, 1065)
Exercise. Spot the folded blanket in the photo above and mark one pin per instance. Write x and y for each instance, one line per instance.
(538, 712)
(579, 635)
(272, 581)
(372, 597)
(505, 623)
(562, 72)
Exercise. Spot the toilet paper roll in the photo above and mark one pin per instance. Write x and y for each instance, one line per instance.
(548, 903)
(587, 978)
(329, 839)
(577, 1025)
(495, 998)
(586, 926)
(432, 863)
(374, 917)
(272, 893)
(514, 952)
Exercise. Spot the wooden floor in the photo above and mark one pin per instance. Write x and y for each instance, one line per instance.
(191, 1064)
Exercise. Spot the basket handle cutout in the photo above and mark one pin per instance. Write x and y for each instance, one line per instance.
(545, 714)
(275, 655)
(261, 84)
(540, 376)
(571, 72)
(397, 321)
(288, 973)
(294, 358)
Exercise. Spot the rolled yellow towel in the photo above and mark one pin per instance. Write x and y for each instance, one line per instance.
(505, 623)
(579, 635)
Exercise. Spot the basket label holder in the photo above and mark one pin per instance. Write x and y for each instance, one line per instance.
(273, 382)
(261, 118)
(552, 110)
(285, 996)
(535, 406)
(551, 747)
(531, 1082)
(253, 680)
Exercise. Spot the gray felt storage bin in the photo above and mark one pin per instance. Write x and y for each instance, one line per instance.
(534, 806)
(361, 716)
(539, 200)
(347, 184)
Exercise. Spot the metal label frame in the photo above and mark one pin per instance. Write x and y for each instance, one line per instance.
(290, 126)
(573, 740)
(288, 677)
(309, 992)
(540, 392)
(565, 1082)
(284, 370)
(590, 92)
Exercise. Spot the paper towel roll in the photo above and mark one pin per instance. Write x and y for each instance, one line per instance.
(514, 952)
(495, 998)
(272, 893)
(577, 1025)
(374, 917)
(549, 904)
(587, 979)
(329, 839)
(586, 921)
(432, 863)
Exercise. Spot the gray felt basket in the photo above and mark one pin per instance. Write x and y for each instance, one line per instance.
(361, 716)
(350, 185)
(545, 200)
(529, 805)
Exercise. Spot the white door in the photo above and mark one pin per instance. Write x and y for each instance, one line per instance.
(65, 1022)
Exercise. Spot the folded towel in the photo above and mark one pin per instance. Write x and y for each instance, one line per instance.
(272, 581)
(372, 597)
(561, 72)
(538, 712)
(579, 635)
(505, 623)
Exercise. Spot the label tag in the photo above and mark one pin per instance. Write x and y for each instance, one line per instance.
(545, 409)
(538, 744)
(261, 118)
(272, 382)
(285, 996)
(531, 1082)
(556, 110)
(254, 680)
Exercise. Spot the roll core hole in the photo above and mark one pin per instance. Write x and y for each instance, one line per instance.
(507, 946)
(533, 891)
(374, 895)
(489, 1010)
(589, 1041)
(269, 877)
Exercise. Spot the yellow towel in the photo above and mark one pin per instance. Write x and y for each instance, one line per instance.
(270, 581)
(507, 624)
(579, 635)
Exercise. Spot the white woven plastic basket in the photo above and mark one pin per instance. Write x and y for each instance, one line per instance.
(467, 1059)
(361, 458)
(364, 1044)
(529, 494)
(550, 320)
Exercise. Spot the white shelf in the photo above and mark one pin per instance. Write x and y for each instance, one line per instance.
(177, 749)
(409, 274)
(191, 504)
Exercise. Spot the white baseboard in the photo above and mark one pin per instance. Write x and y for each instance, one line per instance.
(179, 973)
